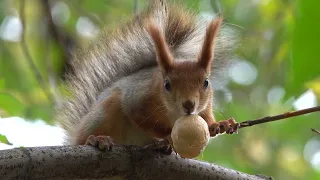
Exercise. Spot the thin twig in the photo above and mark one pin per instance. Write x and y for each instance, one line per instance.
(51, 76)
(315, 130)
(135, 7)
(271, 118)
(25, 50)
(65, 41)
(279, 117)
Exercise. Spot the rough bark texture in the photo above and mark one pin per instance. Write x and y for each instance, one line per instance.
(128, 162)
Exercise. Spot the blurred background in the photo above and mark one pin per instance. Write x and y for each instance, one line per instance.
(276, 69)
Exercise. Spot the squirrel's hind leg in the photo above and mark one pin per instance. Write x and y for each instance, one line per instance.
(104, 125)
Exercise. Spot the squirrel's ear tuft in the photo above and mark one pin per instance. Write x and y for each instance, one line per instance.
(164, 56)
(206, 55)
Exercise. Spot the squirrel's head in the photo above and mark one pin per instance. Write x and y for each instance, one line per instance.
(185, 84)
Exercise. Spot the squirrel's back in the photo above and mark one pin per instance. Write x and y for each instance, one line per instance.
(127, 50)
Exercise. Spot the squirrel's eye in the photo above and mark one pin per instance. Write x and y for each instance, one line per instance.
(206, 84)
(167, 85)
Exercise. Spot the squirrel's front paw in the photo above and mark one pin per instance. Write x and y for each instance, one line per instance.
(102, 142)
(229, 126)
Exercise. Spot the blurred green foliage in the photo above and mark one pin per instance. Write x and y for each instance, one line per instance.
(305, 58)
(279, 38)
(4, 140)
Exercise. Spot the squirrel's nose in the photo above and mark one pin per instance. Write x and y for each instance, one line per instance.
(188, 106)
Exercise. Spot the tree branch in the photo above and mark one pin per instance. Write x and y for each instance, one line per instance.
(128, 162)
(315, 130)
(25, 50)
(278, 117)
(135, 7)
(65, 40)
(48, 60)
(273, 118)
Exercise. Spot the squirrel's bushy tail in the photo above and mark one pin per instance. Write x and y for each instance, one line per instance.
(127, 50)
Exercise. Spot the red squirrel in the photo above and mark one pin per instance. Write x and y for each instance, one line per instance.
(134, 83)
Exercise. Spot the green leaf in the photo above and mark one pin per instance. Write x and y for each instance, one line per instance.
(305, 52)
(10, 104)
(3, 139)
(14, 70)
(315, 86)
(2, 83)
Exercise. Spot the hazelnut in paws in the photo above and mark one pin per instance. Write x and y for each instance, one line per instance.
(190, 135)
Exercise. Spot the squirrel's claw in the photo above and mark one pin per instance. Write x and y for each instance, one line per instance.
(102, 142)
(214, 129)
(229, 126)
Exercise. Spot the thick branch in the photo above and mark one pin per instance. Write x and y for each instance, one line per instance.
(85, 162)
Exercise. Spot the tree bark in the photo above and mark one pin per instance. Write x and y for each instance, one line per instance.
(126, 162)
